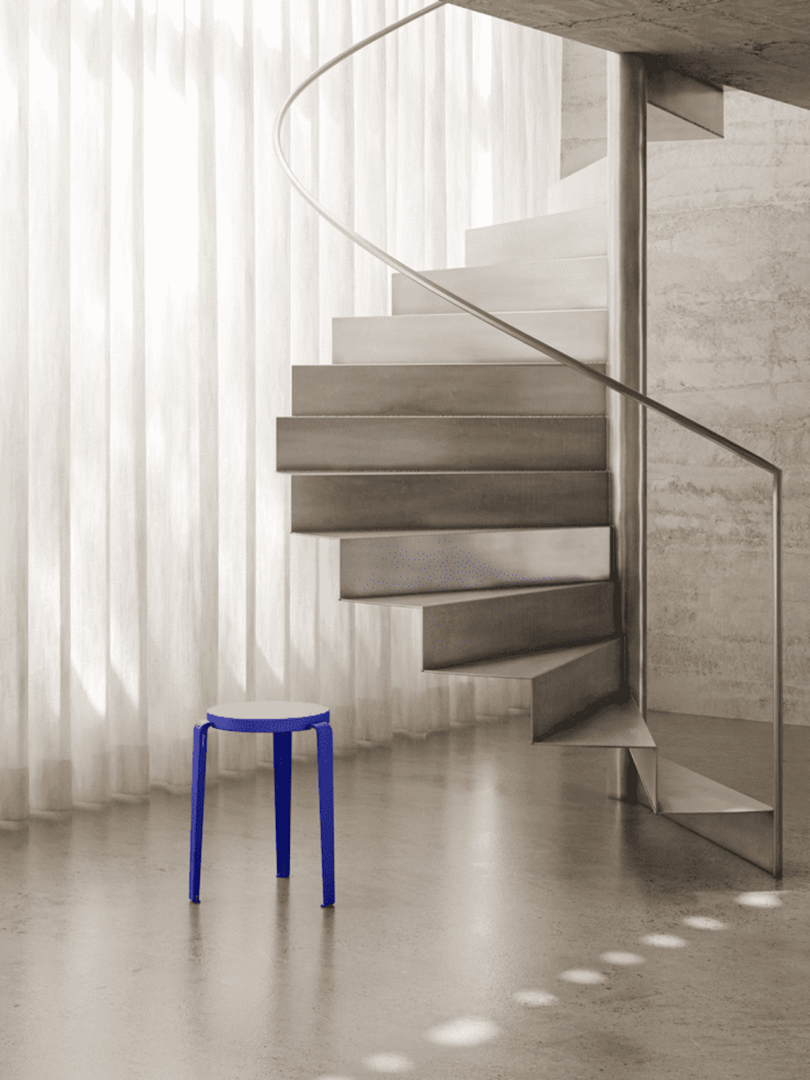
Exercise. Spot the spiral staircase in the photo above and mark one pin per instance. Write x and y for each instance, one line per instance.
(463, 480)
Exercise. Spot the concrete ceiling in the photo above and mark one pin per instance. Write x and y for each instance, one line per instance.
(762, 46)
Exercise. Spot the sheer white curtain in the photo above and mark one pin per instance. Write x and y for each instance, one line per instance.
(158, 279)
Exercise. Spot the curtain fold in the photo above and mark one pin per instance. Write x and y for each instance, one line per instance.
(159, 280)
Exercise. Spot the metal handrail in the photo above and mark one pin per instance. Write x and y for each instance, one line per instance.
(584, 369)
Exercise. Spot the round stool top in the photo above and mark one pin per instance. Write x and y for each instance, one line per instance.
(267, 710)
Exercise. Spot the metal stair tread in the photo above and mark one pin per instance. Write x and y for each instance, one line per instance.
(572, 216)
(362, 534)
(434, 389)
(614, 724)
(459, 499)
(580, 190)
(548, 283)
(682, 791)
(524, 665)
(500, 365)
(506, 315)
(520, 263)
(519, 269)
(440, 472)
(466, 596)
(564, 235)
(458, 337)
(440, 443)
(447, 416)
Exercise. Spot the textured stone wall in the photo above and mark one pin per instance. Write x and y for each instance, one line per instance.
(583, 126)
(729, 344)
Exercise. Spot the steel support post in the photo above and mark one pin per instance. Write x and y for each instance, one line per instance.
(627, 362)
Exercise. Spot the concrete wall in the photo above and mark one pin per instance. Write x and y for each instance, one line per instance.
(729, 344)
(583, 126)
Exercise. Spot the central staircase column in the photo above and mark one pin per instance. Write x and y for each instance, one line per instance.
(627, 362)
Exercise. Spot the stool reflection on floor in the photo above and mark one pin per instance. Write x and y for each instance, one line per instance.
(281, 719)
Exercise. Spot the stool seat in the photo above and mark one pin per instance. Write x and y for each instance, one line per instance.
(281, 719)
(267, 716)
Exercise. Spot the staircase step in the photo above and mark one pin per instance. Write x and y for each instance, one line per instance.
(664, 126)
(391, 563)
(463, 339)
(564, 681)
(570, 235)
(460, 627)
(543, 285)
(431, 443)
(681, 791)
(749, 835)
(612, 724)
(680, 107)
(718, 813)
(645, 759)
(542, 389)
(448, 500)
(586, 188)
(530, 665)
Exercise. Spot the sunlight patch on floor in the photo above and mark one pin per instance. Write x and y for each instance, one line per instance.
(701, 922)
(759, 899)
(663, 941)
(623, 958)
(388, 1063)
(473, 1031)
(534, 998)
(583, 976)
(466, 1031)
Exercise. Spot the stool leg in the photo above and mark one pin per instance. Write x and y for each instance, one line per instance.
(197, 809)
(282, 766)
(327, 799)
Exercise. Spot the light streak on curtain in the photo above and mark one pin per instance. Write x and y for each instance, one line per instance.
(158, 281)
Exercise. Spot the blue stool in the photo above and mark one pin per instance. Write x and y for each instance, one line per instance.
(281, 719)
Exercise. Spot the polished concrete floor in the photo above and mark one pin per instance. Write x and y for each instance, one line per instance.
(497, 918)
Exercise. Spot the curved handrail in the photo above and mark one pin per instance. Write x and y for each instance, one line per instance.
(578, 365)
(465, 305)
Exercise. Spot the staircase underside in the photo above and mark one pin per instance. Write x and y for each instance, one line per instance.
(761, 48)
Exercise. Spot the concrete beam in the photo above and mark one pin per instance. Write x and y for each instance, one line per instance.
(746, 44)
